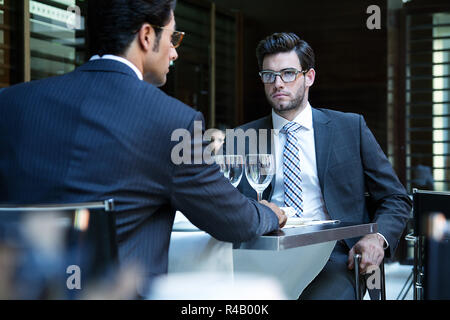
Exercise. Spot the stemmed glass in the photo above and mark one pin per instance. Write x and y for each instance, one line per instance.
(259, 170)
(232, 167)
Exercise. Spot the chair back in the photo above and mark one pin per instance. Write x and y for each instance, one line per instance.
(47, 244)
(432, 230)
(425, 203)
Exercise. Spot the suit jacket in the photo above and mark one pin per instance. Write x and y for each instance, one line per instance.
(99, 133)
(350, 164)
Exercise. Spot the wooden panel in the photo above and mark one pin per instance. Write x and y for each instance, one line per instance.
(427, 100)
(203, 77)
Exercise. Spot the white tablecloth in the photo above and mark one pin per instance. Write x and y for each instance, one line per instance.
(293, 269)
(199, 252)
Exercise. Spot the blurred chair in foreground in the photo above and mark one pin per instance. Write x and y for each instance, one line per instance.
(437, 257)
(56, 251)
(375, 294)
(431, 240)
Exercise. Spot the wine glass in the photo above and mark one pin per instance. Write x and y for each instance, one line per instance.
(259, 170)
(232, 167)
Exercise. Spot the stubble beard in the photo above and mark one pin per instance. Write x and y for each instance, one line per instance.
(294, 105)
(156, 79)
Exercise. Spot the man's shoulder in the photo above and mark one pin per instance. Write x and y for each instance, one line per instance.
(322, 113)
(18, 90)
(337, 114)
(150, 97)
(336, 117)
(177, 110)
(147, 94)
(261, 123)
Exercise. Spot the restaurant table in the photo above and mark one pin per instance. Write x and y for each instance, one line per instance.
(293, 256)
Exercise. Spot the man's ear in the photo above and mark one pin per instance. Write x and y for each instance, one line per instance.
(310, 76)
(146, 36)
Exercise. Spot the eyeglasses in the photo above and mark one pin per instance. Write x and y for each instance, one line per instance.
(177, 36)
(287, 75)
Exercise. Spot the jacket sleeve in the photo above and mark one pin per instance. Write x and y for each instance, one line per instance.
(209, 201)
(391, 202)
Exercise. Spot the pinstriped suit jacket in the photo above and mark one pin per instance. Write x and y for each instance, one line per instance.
(99, 133)
(350, 163)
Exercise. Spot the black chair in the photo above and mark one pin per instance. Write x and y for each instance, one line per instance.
(46, 239)
(437, 258)
(371, 207)
(429, 254)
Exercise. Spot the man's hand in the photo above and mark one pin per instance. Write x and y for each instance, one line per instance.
(371, 249)
(282, 218)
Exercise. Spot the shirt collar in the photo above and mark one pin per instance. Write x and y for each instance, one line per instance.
(120, 59)
(304, 119)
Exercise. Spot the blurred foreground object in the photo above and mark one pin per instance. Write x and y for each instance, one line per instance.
(437, 265)
(431, 245)
(215, 286)
(57, 251)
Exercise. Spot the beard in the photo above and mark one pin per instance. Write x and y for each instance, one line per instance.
(294, 104)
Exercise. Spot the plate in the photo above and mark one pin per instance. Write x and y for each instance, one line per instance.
(297, 221)
(294, 221)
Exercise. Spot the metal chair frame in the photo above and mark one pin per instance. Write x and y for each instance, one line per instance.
(107, 205)
(359, 296)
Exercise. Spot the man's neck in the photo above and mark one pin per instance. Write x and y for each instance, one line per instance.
(136, 62)
(290, 115)
(133, 55)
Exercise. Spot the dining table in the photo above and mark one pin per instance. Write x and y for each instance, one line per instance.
(292, 256)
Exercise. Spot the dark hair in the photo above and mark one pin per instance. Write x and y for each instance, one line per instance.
(113, 24)
(286, 42)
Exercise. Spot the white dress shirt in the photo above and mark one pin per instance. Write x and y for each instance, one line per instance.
(313, 204)
(120, 59)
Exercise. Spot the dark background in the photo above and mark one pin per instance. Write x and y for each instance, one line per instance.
(351, 60)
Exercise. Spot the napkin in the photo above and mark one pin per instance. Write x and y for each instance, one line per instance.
(293, 220)
(181, 223)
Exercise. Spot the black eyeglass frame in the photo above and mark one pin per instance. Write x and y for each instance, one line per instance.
(280, 73)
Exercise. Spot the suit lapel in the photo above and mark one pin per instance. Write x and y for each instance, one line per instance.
(323, 131)
(267, 125)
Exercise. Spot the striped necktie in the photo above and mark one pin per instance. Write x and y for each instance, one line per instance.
(291, 169)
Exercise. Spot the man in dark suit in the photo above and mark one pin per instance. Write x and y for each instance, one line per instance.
(326, 162)
(101, 132)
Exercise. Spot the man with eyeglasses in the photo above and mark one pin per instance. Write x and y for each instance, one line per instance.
(326, 163)
(100, 132)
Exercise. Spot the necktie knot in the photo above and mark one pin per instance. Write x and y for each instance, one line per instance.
(291, 127)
